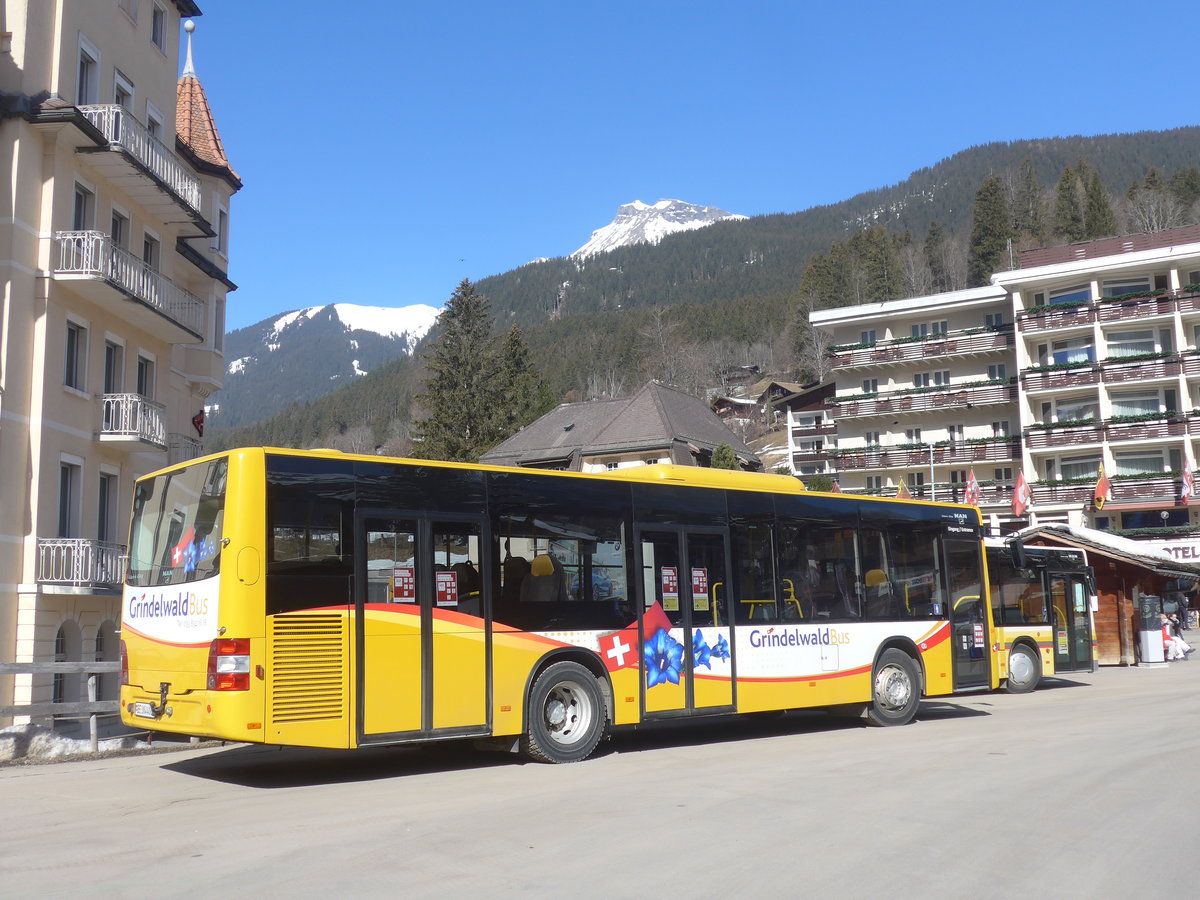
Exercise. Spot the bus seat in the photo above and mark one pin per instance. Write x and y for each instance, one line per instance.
(546, 582)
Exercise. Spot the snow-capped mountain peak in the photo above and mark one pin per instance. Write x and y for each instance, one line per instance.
(644, 223)
(386, 321)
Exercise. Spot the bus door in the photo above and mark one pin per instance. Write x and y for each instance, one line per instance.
(1071, 621)
(968, 613)
(686, 661)
(422, 627)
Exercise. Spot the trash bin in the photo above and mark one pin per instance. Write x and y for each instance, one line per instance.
(1150, 640)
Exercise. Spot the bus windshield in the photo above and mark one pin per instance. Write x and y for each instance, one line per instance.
(175, 536)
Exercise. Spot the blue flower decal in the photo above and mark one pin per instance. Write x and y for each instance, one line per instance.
(207, 549)
(664, 658)
(189, 558)
(721, 650)
(701, 652)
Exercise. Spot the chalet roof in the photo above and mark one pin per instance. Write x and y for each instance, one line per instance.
(657, 417)
(195, 130)
(1113, 546)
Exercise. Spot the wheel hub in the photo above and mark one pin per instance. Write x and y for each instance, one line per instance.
(556, 713)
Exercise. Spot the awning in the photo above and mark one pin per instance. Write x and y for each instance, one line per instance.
(1105, 543)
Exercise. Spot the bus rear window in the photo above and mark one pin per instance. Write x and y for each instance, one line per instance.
(175, 537)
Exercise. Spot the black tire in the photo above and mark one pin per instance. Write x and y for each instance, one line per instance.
(1024, 670)
(895, 689)
(566, 717)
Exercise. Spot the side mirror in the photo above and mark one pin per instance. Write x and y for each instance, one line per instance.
(1016, 553)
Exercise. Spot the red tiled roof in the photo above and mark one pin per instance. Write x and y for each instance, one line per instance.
(194, 125)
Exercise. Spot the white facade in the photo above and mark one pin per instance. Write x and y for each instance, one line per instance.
(113, 313)
(1041, 372)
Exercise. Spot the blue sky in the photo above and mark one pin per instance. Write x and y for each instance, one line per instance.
(393, 149)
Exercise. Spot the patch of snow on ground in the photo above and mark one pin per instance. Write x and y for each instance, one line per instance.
(414, 320)
(40, 742)
(239, 364)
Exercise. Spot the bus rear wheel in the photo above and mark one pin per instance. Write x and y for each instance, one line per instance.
(1024, 670)
(895, 690)
(566, 718)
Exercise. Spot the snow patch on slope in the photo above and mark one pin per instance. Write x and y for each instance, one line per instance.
(644, 223)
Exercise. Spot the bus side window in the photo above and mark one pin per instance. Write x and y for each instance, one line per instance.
(916, 577)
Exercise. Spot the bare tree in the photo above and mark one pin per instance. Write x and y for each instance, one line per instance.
(1147, 209)
(918, 280)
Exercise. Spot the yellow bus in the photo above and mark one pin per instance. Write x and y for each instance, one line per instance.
(1043, 600)
(319, 599)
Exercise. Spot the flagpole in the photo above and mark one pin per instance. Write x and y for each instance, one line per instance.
(932, 480)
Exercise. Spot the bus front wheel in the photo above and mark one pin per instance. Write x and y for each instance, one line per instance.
(1024, 670)
(566, 717)
(895, 689)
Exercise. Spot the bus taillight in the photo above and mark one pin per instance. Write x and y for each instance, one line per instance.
(124, 664)
(229, 664)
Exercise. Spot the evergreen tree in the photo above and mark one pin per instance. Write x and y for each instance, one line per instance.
(990, 232)
(1099, 219)
(1185, 185)
(723, 457)
(460, 397)
(1068, 208)
(883, 278)
(1029, 218)
(935, 258)
(522, 394)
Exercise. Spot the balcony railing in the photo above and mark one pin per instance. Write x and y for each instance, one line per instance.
(1125, 492)
(1139, 308)
(181, 448)
(954, 343)
(1083, 374)
(948, 397)
(92, 254)
(875, 457)
(131, 417)
(1038, 438)
(80, 563)
(124, 132)
(1056, 319)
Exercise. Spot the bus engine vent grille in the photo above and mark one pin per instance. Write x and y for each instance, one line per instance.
(308, 666)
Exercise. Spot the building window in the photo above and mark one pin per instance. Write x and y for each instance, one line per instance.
(1076, 294)
(955, 433)
(611, 466)
(1117, 287)
(871, 438)
(997, 372)
(158, 27)
(1138, 462)
(920, 330)
(921, 380)
(958, 476)
(1076, 467)
(912, 435)
(120, 229)
(1004, 474)
(1142, 403)
(154, 120)
(84, 212)
(1002, 429)
(1074, 350)
(70, 474)
(652, 461)
(874, 483)
(870, 386)
(1072, 409)
(114, 366)
(75, 356)
(221, 238)
(122, 91)
(145, 377)
(867, 337)
(942, 378)
(150, 250)
(1130, 343)
(130, 7)
(106, 510)
(88, 76)
(939, 327)
(993, 320)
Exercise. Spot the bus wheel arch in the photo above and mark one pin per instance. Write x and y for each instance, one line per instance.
(1024, 668)
(567, 709)
(897, 684)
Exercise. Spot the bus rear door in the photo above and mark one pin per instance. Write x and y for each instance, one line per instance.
(968, 614)
(686, 665)
(422, 631)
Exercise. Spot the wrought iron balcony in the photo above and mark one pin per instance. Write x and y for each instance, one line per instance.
(114, 277)
(144, 166)
(133, 420)
(182, 448)
(79, 564)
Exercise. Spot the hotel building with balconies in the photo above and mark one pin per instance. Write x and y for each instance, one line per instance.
(115, 262)
(1088, 354)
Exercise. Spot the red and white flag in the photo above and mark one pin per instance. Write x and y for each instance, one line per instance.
(1022, 497)
(837, 488)
(1189, 484)
(1104, 490)
(902, 491)
(972, 495)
